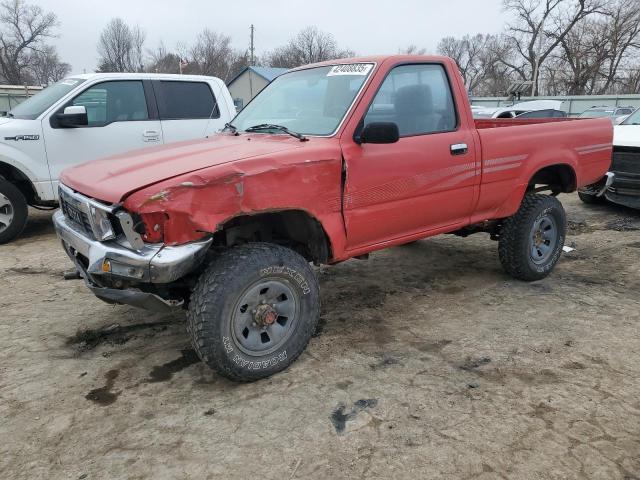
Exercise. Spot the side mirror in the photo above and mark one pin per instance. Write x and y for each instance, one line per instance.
(73, 116)
(380, 132)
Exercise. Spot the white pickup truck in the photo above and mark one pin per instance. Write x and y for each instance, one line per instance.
(89, 116)
(623, 179)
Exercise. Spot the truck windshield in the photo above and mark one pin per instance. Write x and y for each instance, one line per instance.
(32, 107)
(311, 102)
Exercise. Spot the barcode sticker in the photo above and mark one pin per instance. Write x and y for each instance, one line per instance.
(350, 69)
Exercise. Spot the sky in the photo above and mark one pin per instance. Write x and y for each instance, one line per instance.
(367, 27)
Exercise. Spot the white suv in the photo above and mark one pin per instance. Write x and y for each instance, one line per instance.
(85, 117)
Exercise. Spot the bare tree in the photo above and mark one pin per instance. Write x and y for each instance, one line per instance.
(23, 30)
(539, 27)
(496, 76)
(46, 67)
(574, 67)
(412, 50)
(622, 22)
(163, 61)
(212, 54)
(577, 47)
(121, 47)
(630, 81)
(466, 51)
(592, 54)
(237, 61)
(480, 60)
(554, 76)
(310, 45)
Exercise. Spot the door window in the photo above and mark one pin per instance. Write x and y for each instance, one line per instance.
(186, 100)
(108, 102)
(417, 98)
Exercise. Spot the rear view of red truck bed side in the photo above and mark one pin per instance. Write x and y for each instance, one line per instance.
(514, 150)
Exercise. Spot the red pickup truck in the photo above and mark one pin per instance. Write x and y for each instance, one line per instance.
(330, 161)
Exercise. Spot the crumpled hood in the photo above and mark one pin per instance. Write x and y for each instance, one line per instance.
(111, 179)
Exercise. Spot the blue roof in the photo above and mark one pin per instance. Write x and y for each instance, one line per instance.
(268, 73)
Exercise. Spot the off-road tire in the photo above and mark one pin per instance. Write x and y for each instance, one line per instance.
(515, 244)
(590, 199)
(19, 209)
(215, 301)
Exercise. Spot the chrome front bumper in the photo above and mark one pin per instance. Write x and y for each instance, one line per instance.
(598, 189)
(153, 264)
(610, 177)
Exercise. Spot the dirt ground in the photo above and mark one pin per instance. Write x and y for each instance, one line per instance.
(429, 363)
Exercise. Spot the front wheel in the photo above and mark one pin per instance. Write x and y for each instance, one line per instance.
(531, 241)
(253, 311)
(590, 199)
(13, 211)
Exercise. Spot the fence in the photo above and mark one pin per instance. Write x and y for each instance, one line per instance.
(573, 105)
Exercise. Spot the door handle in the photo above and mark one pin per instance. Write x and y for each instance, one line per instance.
(459, 149)
(151, 135)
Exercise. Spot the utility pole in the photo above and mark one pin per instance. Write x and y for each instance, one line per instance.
(251, 61)
(251, 47)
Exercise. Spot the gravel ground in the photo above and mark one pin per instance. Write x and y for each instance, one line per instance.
(429, 363)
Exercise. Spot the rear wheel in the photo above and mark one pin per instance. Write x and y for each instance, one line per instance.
(253, 311)
(531, 241)
(13, 211)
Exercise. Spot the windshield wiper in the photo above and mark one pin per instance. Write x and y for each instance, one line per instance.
(273, 126)
(231, 127)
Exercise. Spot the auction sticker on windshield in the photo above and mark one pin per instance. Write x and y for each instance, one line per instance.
(350, 69)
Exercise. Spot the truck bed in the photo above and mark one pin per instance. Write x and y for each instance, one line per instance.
(512, 151)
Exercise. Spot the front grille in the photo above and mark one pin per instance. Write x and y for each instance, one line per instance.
(626, 160)
(73, 210)
(626, 167)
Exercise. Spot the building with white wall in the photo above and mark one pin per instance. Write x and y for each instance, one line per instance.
(249, 82)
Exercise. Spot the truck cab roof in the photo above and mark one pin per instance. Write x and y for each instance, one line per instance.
(378, 59)
(144, 76)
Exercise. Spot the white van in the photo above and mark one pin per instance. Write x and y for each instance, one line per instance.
(85, 117)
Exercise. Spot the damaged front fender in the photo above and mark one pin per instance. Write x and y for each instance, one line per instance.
(198, 204)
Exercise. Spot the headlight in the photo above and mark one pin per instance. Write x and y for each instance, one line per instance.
(101, 224)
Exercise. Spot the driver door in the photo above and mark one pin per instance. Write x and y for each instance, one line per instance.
(120, 119)
(423, 182)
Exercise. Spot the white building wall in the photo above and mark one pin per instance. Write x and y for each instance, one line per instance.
(245, 87)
